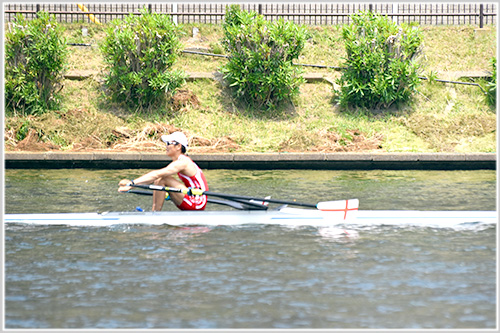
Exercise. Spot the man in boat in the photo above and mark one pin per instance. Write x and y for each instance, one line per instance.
(188, 172)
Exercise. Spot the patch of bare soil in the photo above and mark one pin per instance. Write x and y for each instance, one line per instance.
(354, 141)
(184, 98)
(145, 139)
(359, 142)
(219, 145)
(105, 137)
(32, 143)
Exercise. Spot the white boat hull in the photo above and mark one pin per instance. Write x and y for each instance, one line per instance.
(292, 217)
(286, 217)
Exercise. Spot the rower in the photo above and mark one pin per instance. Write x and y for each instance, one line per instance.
(190, 175)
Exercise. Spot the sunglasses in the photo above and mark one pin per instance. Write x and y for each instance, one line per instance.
(172, 143)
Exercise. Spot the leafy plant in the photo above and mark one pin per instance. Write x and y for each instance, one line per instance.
(432, 76)
(491, 86)
(139, 52)
(35, 56)
(260, 68)
(381, 62)
(23, 130)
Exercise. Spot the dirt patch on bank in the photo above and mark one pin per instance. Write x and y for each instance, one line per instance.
(147, 139)
(32, 143)
(81, 130)
(184, 98)
(351, 141)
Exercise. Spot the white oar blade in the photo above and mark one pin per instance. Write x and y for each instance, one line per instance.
(347, 207)
(263, 203)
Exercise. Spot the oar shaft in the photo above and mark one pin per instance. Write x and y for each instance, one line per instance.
(244, 197)
(222, 195)
(237, 204)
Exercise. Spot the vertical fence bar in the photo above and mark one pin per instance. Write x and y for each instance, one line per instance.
(175, 17)
(442, 10)
(395, 18)
(315, 17)
(449, 8)
(99, 17)
(181, 17)
(331, 11)
(465, 10)
(488, 17)
(431, 13)
(481, 16)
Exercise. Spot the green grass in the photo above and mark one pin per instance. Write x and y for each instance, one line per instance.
(441, 117)
(458, 48)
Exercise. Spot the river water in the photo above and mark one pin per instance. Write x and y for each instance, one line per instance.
(257, 276)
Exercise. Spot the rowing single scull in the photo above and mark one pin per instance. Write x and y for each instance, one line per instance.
(339, 212)
(285, 216)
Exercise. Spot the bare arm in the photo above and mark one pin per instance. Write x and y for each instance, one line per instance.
(171, 169)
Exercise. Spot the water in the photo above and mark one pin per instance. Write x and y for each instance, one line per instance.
(80, 190)
(251, 276)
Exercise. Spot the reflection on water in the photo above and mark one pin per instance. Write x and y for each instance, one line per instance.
(80, 190)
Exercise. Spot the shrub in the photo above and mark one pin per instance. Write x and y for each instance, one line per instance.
(491, 87)
(260, 68)
(139, 52)
(381, 62)
(35, 57)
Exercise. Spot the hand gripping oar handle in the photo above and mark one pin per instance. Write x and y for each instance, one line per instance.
(196, 191)
(163, 188)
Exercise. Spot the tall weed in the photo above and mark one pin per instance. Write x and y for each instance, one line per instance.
(35, 57)
(260, 68)
(491, 88)
(381, 62)
(139, 52)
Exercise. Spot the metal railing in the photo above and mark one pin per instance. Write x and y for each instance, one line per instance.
(300, 13)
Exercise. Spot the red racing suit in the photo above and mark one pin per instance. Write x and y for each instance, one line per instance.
(194, 202)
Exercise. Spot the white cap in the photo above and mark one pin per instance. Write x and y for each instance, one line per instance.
(177, 137)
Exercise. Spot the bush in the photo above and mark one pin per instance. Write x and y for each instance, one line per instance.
(35, 56)
(491, 87)
(381, 62)
(260, 68)
(139, 52)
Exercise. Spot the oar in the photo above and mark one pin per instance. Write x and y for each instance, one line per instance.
(236, 204)
(325, 205)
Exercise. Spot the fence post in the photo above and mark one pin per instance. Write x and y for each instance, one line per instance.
(370, 8)
(175, 18)
(395, 10)
(260, 9)
(481, 16)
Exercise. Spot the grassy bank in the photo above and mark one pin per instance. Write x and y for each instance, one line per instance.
(441, 118)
